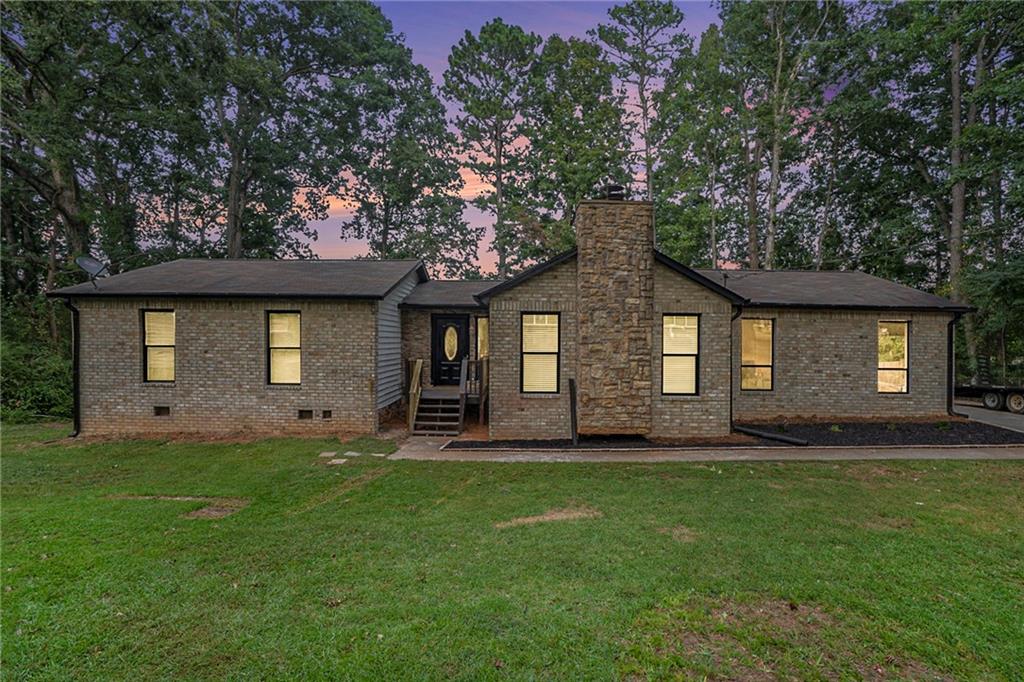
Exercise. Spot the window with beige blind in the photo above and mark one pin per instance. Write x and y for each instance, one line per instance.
(483, 339)
(284, 347)
(756, 354)
(680, 354)
(893, 353)
(539, 356)
(158, 345)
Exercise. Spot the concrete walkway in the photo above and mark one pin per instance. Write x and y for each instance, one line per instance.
(429, 449)
(1006, 420)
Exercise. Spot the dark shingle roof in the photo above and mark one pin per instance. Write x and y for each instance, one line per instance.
(366, 279)
(826, 289)
(448, 293)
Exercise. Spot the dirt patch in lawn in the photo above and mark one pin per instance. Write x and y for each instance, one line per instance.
(765, 639)
(564, 514)
(216, 507)
(680, 533)
(339, 490)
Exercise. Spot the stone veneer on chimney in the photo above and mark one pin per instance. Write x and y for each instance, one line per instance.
(615, 303)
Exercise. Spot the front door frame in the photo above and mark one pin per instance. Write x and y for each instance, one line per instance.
(437, 322)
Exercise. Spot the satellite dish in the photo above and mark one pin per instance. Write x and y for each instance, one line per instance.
(92, 266)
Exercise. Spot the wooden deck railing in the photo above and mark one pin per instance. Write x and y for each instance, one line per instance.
(463, 386)
(415, 389)
(474, 384)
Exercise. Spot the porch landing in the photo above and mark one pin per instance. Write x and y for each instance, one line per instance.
(440, 392)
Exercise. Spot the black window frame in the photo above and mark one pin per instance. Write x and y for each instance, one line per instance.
(771, 367)
(146, 346)
(267, 347)
(557, 353)
(696, 356)
(905, 370)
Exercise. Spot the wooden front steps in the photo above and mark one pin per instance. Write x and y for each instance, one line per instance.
(437, 416)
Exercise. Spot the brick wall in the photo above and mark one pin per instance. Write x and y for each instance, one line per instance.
(220, 368)
(705, 414)
(514, 414)
(825, 366)
(615, 294)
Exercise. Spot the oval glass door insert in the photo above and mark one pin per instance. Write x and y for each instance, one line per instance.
(451, 342)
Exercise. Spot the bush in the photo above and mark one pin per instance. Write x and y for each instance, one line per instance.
(35, 373)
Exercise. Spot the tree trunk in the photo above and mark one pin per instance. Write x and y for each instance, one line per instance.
(778, 105)
(753, 243)
(500, 246)
(958, 204)
(773, 198)
(826, 219)
(711, 199)
(233, 235)
(645, 131)
(66, 199)
(51, 279)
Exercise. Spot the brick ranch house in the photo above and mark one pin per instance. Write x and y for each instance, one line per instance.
(635, 341)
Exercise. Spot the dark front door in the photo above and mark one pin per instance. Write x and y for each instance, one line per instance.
(449, 343)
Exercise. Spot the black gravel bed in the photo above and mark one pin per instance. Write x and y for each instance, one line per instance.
(604, 443)
(895, 433)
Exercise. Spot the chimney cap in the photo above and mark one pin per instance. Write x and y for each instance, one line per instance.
(613, 192)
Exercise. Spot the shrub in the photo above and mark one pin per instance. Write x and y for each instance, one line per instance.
(35, 373)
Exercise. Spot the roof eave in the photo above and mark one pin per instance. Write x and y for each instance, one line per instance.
(525, 275)
(442, 306)
(838, 306)
(190, 294)
(698, 278)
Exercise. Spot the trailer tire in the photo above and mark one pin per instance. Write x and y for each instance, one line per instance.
(1015, 403)
(992, 400)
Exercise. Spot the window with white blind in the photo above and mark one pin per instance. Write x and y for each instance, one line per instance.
(539, 356)
(483, 338)
(284, 347)
(680, 354)
(756, 354)
(158, 345)
(893, 355)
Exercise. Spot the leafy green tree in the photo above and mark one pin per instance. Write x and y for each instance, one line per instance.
(699, 139)
(785, 44)
(284, 84)
(487, 77)
(573, 119)
(405, 181)
(71, 77)
(643, 39)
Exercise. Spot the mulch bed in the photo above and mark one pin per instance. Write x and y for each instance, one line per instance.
(894, 433)
(863, 433)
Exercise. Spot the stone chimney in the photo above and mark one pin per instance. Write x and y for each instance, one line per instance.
(615, 304)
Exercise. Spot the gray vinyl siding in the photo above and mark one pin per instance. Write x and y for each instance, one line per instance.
(389, 342)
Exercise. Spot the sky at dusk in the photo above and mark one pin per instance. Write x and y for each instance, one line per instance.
(432, 28)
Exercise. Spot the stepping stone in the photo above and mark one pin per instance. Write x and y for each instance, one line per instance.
(378, 454)
(352, 453)
(332, 453)
(337, 461)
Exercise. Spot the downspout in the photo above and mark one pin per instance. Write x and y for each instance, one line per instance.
(951, 366)
(732, 361)
(75, 347)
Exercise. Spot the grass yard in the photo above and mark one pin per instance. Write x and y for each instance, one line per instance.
(379, 569)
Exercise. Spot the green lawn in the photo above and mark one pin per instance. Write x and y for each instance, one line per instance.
(382, 569)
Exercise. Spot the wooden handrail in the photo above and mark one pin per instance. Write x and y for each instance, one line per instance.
(485, 366)
(415, 389)
(463, 376)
